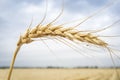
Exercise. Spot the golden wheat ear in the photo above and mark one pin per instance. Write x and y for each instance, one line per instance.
(50, 30)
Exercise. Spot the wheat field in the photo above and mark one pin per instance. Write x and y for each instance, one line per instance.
(60, 74)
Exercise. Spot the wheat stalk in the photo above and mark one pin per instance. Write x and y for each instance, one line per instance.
(69, 33)
(49, 30)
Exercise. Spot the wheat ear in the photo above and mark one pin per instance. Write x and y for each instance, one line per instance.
(50, 30)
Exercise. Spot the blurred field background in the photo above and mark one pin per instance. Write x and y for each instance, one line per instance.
(60, 74)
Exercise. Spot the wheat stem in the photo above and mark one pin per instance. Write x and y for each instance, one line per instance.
(13, 61)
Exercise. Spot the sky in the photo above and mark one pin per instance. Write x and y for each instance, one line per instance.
(16, 15)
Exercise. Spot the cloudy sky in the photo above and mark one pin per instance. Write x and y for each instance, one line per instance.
(16, 15)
